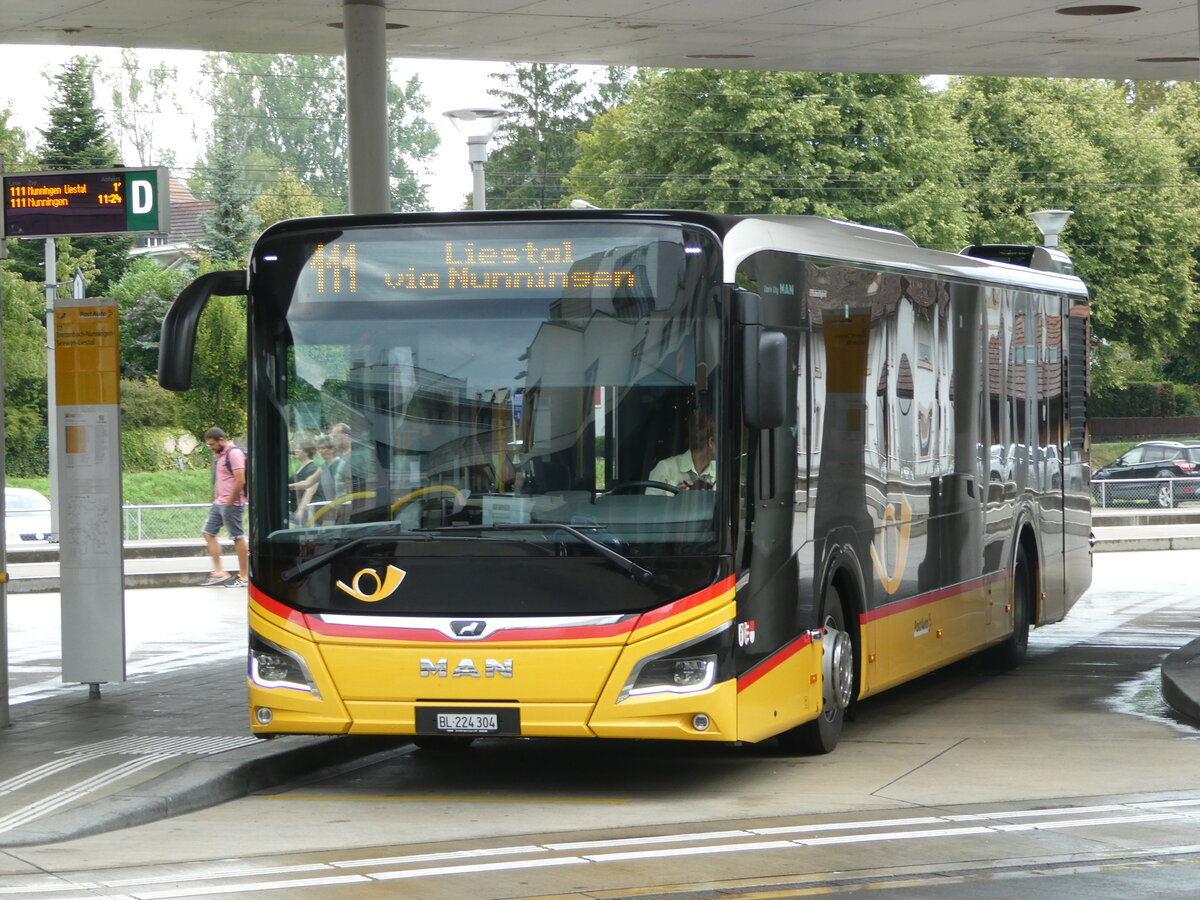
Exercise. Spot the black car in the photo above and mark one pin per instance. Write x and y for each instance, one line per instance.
(1163, 472)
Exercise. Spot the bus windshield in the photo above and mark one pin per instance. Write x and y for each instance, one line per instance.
(459, 380)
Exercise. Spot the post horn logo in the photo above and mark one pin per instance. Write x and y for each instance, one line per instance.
(897, 523)
(384, 587)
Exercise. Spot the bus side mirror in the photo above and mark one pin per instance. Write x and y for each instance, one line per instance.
(764, 367)
(178, 341)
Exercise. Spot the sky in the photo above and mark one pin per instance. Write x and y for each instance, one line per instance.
(447, 84)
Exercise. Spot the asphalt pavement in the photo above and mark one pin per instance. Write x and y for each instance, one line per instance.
(174, 737)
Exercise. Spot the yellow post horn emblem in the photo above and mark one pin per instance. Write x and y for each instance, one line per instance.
(384, 587)
(903, 525)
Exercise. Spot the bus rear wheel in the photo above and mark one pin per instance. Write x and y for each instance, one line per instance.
(821, 735)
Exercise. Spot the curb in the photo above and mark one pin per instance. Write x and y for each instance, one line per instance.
(206, 782)
(1181, 681)
(1115, 545)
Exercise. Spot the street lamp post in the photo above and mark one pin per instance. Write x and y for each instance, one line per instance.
(478, 124)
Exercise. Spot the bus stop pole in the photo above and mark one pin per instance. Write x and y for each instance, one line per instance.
(51, 262)
(364, 28)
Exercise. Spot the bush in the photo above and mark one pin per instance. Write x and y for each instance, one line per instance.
(26, 443)
(156, 450)
(1160, 398)
(146, 405)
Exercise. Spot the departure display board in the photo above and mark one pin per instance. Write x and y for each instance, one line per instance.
(98, 201)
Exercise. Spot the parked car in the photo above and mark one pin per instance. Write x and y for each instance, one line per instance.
(26, 516)
(1163, 472)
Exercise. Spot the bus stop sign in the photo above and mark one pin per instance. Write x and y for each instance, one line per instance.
(96, 201)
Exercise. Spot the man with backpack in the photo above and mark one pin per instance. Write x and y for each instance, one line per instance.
(229, 500)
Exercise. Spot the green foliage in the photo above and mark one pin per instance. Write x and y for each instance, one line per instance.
(230, 226)
(219, 392)
(1148, 399)
(287, 198)
(155, 449)
(24, 343)
(147, 488)
(536, 145)
(170, 485)
(26, 442)
(867, 148)
(137, 99)
(78, 139)
(13, 144)
(146, 405)
(143, 296)
(24, 375)
(78, 136)
(1077, 144)
(289, 113)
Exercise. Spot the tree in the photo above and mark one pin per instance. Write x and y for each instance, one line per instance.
(1080, 145)
(536, 145)
(1175, 109)
(868, 148)
(287, 198)
(219, 390)
(78, 136)
(230, 226)
(289, 112)
(24, 376)
(143, 296)
(137, 99)
(13, 148)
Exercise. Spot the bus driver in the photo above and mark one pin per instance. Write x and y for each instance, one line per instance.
(696, 467)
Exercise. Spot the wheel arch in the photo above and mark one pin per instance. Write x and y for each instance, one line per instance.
(1027, 538)
(843, 570)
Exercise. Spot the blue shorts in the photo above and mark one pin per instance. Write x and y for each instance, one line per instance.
(229, 516)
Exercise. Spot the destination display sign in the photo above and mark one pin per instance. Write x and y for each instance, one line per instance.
(466, 265)
(93, 202)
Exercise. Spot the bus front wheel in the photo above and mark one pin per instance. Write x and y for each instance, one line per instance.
(1011, 653)
(821, 735)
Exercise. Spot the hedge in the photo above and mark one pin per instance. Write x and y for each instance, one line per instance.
(1162, 398)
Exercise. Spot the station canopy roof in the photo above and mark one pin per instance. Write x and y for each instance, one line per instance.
(1154, 39)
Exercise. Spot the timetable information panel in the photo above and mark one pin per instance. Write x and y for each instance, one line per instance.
(104, 201)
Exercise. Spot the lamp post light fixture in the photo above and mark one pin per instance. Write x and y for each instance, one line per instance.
(478, 124)
(1050, 223)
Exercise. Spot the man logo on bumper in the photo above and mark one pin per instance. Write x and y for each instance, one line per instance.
(466, 668)
(384, 587)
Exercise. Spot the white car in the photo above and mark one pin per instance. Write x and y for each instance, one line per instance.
(26, 516)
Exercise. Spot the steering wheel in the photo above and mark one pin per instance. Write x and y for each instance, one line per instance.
(626, 487)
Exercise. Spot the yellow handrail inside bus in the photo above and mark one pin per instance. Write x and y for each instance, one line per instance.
(459, 497)
(345, 498)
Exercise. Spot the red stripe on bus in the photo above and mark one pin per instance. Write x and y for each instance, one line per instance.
(685, 603)
(919, 600)
(774, 661)
(275, 608)
(557, 633)
(502, 636)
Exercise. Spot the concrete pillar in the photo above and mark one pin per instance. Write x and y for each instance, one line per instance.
(366, 105)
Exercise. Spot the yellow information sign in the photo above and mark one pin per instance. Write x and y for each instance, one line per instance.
(87, 360)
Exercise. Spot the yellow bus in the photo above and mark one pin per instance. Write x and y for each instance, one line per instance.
(645, 474)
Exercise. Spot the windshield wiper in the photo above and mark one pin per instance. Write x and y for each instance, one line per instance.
(624, 563)
(301, 569)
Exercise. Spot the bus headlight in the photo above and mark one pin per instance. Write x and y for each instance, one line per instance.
(686, 669)
(273, 667)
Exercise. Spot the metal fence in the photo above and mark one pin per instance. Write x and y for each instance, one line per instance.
(162, 523)
(1163, 493)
